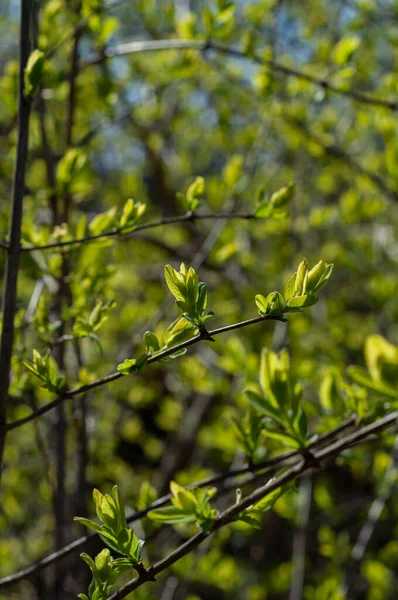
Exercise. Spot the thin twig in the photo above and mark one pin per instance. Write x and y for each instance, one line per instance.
(160, 502)
(189, 217)
(277, 67)
(300, 538)
(208, 335)
(17, 194)
(233, 511)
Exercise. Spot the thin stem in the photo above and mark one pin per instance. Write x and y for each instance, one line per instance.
(188, 217)
(17, 194)
(233, 511)
(277, 67)
(300, 538)
(160, 502)
(152, 359)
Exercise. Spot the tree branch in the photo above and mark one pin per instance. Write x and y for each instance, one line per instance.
(189, 217)
(17, 194)
(277, 67)
(229, 515)
(160, 502)
(207, 335)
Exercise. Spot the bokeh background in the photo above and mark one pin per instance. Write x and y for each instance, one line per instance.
(145, 124)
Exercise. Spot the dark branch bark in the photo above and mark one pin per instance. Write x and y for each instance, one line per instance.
(221, 477)
(161, 45)
(229, 515)
(13, 250)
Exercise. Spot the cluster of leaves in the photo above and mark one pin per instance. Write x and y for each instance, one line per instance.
(274, 205)
(193, 195)
(280, 400)
(46, 370)
(190, 295)
(87, 326)
(191, 299)
(188, 506)
(116, 534)
(112, 220)
(382, 368)
(299, 292)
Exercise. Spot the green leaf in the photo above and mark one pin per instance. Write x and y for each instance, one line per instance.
(290, 286)
(273, 304)
(174, 283)
(344, 49)
(264, 406)
(302, 301)
(285, 438)
(318, 276)
(263, 210)
(362, 377)
(151, 342)
(179, 331)
(195, 193)
(301, 279)
(103, 222)
(33, 72)
(171, 514)
(132, 212)
(132, 365)
(183, 499)
(283, 196)
(88, 523)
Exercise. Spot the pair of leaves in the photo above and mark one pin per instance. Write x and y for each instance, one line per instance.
(275, 206)
(46, 370)
(193, 195)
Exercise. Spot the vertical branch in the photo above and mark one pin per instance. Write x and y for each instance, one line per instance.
(300, 538)
(13, 250)
(62, 297)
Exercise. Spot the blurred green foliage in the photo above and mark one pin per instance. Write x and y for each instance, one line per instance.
(189, 130)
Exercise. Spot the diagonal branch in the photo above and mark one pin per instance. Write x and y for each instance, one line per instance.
(277, 67)
(204, 335)
(189, 217)
(233, 511)
(274, 461)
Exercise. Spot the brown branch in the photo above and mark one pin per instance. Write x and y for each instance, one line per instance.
(207, 335)
(160, 502)
(277, 67)
(187, 218)
(233, 511)
(17, 194)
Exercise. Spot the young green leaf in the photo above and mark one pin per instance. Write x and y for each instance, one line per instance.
(33, 72)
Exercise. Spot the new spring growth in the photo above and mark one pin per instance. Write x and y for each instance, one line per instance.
(190, 294)
(114, 531)
(299, 292)
(280, 400)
